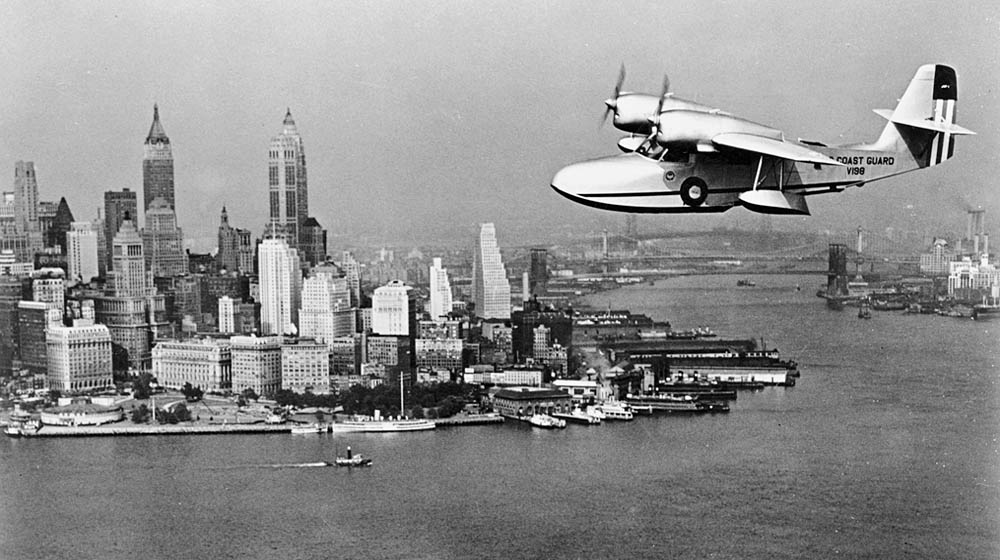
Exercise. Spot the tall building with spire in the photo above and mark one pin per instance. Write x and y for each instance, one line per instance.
(157, 165)
(164, 241)
(287, 186)
(490, 287)
(228, 257)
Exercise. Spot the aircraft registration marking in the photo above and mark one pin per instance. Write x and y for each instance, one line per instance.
(856, 163)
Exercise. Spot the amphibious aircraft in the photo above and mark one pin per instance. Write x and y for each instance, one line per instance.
(696, 158)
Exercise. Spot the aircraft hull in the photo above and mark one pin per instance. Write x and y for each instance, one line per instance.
(714, 182)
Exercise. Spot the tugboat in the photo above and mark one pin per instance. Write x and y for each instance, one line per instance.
(353, 460)
(745, 283)
(864, 311)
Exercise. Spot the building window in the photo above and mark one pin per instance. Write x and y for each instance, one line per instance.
(275, 212)
(273, 175)
(289, 174)
(290, 209)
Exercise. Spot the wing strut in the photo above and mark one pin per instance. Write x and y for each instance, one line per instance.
(757, 180)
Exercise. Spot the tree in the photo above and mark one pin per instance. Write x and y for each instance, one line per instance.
(249, 394)
(140, 415)
(190, 393)
(142, 388)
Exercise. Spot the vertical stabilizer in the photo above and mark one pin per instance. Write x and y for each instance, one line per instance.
(923, 122)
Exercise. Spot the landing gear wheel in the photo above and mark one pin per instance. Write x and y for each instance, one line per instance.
(694, 191)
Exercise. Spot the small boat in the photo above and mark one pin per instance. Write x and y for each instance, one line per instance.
(617, 411)
(864, 311)
(307, 429)
(546, 421)
(353, 460)
(745, 283)
(596, 412)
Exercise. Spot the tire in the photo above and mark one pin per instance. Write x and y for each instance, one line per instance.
(694, 191)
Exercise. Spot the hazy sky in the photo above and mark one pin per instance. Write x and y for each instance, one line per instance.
(444, 114)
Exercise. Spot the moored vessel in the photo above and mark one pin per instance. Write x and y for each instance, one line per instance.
(546, 421)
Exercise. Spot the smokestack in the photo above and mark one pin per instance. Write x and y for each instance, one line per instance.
(975, 244)
(968, 225)
(986, 244)
(525, 290)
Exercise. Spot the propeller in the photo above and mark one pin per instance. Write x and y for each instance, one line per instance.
(611, 104)
(654, 119)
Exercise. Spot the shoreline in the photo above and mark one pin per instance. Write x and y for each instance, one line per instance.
(130, 430)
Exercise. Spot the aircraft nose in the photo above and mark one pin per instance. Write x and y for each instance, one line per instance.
(605, 175)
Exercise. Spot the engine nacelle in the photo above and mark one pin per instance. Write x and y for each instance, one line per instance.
(690, 130)
(633, 111)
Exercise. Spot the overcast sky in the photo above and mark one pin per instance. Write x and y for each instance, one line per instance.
(419, 114)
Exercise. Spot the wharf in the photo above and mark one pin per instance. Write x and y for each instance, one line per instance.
(155, 430)
(469, 420)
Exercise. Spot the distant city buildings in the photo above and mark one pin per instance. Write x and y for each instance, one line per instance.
(490, 287)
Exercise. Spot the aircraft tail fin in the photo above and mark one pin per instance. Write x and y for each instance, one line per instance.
(923, 122)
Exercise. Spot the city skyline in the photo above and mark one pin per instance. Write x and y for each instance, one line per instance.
(413, 126)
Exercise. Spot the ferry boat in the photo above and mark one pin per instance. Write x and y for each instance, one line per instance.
(596, 412)
(617, 411)
(377, 424)
(307, 429)
(666, 403)
(21, 423)
(546, 421)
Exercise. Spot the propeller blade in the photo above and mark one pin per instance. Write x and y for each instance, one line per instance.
(611, 104)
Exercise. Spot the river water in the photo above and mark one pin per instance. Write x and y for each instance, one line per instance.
(887, 447)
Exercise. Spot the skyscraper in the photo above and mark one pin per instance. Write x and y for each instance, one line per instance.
(289, 196)
(228, 256)
(280, 286)
(326, 311)
(129, 277)
(55, 236)
(118, 206)
(25, 197)
(157, 165)
(81, 252)
(440, 304)
(163, 241)
(490, 287)
(394, 310)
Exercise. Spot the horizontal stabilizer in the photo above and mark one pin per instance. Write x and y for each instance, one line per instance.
(774, 202)
(925, 124)
(771, 147)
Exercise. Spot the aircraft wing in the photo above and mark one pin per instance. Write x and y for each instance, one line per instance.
(771, 147)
